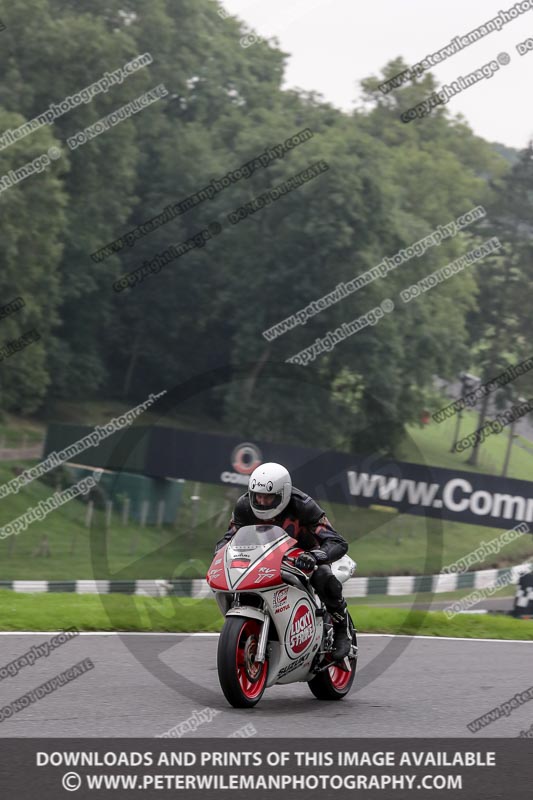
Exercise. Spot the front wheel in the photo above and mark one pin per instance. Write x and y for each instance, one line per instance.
(243, 680)
(334, 683)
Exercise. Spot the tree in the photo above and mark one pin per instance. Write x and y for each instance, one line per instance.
(501, 329)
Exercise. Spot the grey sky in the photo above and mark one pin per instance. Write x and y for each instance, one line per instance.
(333, 44)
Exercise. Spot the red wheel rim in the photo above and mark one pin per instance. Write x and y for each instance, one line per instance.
(339, 677)
(252, 676)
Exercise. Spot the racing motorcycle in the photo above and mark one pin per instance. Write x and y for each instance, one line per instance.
(277, 630)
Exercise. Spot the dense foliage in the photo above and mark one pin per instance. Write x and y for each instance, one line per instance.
(388, 185)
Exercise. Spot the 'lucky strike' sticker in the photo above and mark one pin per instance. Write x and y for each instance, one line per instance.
(300, 630)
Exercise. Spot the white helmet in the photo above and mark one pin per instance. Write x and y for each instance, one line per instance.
(269, 479)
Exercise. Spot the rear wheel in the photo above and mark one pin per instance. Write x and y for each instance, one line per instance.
(242, 678)
(334, 683)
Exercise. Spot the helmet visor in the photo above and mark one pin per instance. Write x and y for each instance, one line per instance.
(265, 502)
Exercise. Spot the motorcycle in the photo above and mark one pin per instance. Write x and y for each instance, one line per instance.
(276, 630)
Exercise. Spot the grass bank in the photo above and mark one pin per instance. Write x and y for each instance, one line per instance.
(46, 612)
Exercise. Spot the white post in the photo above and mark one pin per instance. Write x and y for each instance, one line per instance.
(160, 513)
(89, 514)
(144, 512)
(126, 510)
(108, 512)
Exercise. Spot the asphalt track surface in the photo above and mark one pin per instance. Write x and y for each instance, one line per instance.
(144, 684)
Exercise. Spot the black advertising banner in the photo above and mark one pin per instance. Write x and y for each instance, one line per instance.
(462, 769)
(115, 449)
(466, 497)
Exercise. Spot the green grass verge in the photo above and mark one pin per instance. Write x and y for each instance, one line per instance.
(435, 623)
(46, 612)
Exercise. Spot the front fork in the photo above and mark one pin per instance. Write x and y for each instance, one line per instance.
(263, 638)
(260, 654)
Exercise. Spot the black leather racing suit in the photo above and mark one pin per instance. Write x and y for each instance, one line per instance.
(305, 521)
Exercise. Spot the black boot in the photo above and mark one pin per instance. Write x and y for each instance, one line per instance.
(342, 641)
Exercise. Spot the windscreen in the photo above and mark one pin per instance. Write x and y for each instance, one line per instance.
(257, 534)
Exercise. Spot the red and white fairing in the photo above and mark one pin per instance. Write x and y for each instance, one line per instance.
(251, 563)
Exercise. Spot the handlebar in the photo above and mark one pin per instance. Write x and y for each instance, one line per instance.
(293, 559)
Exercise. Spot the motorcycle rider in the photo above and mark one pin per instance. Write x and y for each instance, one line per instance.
(271, 498)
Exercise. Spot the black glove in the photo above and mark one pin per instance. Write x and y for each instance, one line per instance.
(320, 556)
(305, 561)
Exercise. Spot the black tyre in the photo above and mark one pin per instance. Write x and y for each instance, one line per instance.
(335, 683)
(242, 679)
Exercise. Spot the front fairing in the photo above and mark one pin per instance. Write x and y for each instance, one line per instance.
(252, 559)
